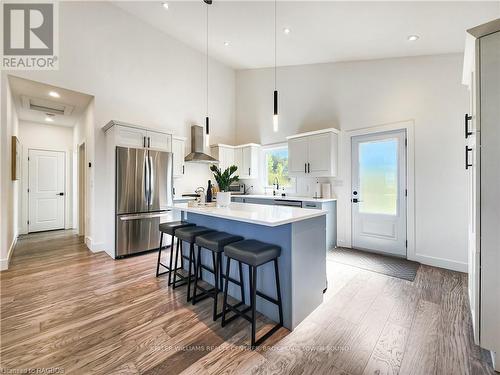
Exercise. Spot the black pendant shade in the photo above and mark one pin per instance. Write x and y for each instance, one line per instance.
(275, 102)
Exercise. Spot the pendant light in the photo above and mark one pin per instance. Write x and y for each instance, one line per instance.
(275, 99)
(207, 120)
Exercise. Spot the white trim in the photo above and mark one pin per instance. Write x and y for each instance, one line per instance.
(4, 263)
(440, 262)
(322, 131)
(408, 125)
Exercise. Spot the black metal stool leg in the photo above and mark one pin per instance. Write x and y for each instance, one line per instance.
(159, 256)
(278, 290)
(191, 260)
(216, 284)
(171, 260)
(226, 284)
(242, 288)
(196, 273)
(253, 291)
(174, 280)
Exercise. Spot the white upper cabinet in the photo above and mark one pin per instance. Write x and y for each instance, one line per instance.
(313, 154)
(245, 157)
(179, 151)
(297, 155)
(138, 137)
(159, 141)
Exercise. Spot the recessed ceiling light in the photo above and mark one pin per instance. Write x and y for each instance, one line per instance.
(413, 38)
(49, 119)
(54, 94)
(286, 30)
(227, 43)
(165, 5)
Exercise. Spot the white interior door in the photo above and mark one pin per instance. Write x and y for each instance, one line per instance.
(379, 192)
(46, 190)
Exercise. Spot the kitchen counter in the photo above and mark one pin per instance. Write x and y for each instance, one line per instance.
(288, 198)
(270, 216)
(301, 235)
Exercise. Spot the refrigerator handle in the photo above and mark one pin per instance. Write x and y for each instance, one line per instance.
(150, 172)
(146, 180)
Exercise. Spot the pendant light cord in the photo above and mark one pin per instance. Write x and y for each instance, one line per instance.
(207, 59)
(275, 44)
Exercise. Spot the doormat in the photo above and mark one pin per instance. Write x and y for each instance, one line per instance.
(386, 265)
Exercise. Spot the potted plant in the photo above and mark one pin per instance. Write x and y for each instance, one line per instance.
(224, 179)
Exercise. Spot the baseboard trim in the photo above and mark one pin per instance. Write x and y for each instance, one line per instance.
(441, 262)
(4, 263)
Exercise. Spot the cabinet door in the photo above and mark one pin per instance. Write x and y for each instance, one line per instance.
(226, 157)
(159, 141)
(246, 164)
(178, 149)
(130, 137)
(297, 156)
(238, 161)
(320, 155)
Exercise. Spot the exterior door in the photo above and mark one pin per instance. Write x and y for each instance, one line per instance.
(46, 190)
(379, 192)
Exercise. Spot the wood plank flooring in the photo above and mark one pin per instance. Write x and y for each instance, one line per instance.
(69, 310)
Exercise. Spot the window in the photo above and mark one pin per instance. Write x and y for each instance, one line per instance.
(276, 160)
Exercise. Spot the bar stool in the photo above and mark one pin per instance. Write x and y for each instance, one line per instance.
(253, 253)
(214, 242)
(169, 228)
(187, 234)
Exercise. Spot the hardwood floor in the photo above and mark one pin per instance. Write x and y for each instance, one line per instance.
(67, 309)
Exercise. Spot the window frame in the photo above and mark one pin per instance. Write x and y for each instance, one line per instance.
(263, 162)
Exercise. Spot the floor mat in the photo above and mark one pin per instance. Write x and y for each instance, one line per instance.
(387, 265)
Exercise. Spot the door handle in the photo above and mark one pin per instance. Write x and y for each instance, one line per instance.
(60, 194)
(467, 119)
(356, 200)
(308, 168)
(467, 149)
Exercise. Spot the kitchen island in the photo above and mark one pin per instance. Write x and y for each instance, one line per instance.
(301, 234)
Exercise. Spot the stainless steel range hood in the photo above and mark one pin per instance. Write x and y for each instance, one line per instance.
(197, 155)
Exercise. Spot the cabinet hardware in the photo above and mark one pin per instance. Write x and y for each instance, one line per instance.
(467, 149)
(308, 168)
(144, 142)
(149, 142)
(61, 194)
(249, 171)
(467, 119)
(305, 167)
(182, 169)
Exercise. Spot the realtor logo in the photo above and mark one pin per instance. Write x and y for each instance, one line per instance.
(29, 32)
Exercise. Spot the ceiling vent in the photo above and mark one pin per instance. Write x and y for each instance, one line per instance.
(46, 106)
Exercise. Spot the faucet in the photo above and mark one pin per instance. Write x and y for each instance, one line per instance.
(277, 183)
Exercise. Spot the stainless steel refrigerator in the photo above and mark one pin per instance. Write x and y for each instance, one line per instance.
(144, 186)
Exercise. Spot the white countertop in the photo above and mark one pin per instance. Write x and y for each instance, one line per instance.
(271, 216)
(287, 198)
(183, 199)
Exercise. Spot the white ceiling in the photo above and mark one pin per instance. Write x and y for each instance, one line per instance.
(38, 91)
(321, 31)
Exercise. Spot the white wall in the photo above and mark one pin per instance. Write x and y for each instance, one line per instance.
(8, 189)
(139, 75)
(45, 137)
(356, 95)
